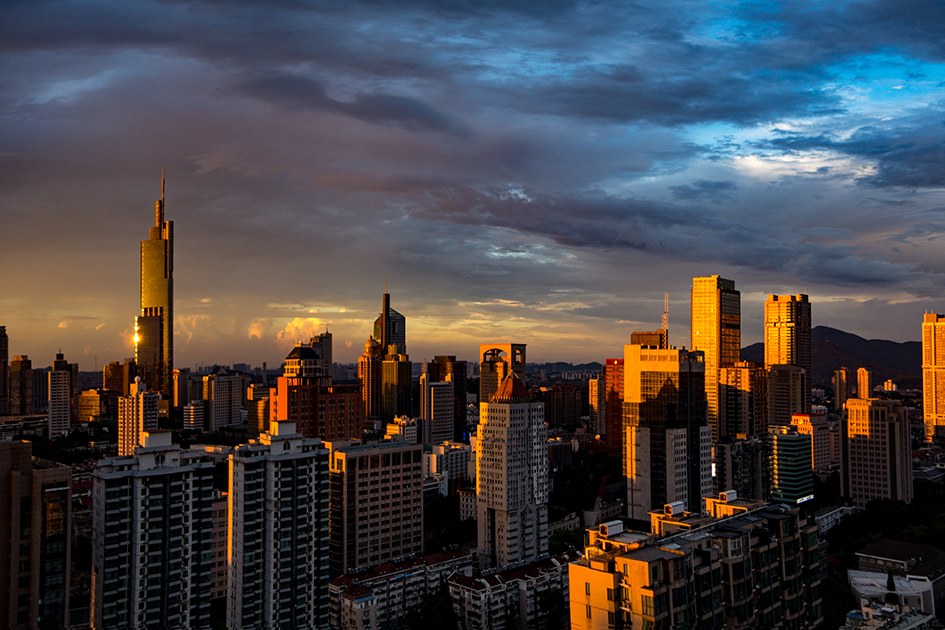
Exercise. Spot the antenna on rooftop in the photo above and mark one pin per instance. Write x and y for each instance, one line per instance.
(666, 312)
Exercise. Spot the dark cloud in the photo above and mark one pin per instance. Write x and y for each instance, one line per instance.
(704, 189)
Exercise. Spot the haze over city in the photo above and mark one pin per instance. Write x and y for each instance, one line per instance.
(537, 172)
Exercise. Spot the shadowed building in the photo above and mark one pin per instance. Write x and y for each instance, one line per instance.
(21, 385)
(445, 368)
(369, 374)
(842, 388)
(155, 326)
(615, 440)
(4, 372)
(790, 477)
(716, 332)
(786, 393)
(743, 400)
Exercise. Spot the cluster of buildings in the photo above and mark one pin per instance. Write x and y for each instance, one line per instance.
(322, 520)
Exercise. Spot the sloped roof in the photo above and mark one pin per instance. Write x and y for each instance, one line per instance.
(511, 390)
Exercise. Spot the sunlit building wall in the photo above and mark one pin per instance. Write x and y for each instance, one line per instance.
(875, 451)
(787, 336)
(933, 375)
(716, 332)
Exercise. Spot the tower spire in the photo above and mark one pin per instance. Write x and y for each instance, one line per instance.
(159, 205)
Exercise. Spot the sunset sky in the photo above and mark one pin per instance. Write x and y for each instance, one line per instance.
(534, 172)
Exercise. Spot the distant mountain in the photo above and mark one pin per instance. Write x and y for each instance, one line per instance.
(832, 349)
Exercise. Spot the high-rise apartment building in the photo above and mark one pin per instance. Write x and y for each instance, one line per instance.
(933, 375)
(815, 425)
(60, 403)
(790, 476)
(875, 451)
(258, 414)
(137, 414)
(223, 399)
(743, 400)
(615, 436)
(716, 332)
(36, 535)
(376, 503)
(668, 441)
(786, 393)
(278, 531)
(562, 404)
(152, 524)
(436, 410)
(21, 385)
(40, 391)
(4, 372)
(498, 360)
(445, 368)
(742, 466)
(864, 383)
(181, 388)
(154, 329)
(842, 388)
(787, 336)
(511, 477)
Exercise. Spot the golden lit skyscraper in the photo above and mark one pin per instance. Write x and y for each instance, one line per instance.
(933, 375)
(716, 331)
(157, 296)
(864, 383)
(787, 336)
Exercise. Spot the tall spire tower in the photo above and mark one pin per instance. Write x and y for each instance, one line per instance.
(154, 328)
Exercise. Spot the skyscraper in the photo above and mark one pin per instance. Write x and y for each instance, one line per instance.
(790, 476)
(933, 375)
(154, 329)
(668, 442)
(864, 383)
(60, 401)
(21, 385)
(842, 388)
(4, 372)
(787, 336)
(436, 410)
(498, 360)
(743, 400)
(511, 477)
(446, 368)
(369, 373)
(615, 436)
(716, 331)
(390, 327)
(786, 393)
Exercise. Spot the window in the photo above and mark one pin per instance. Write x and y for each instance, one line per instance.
(587, 588)
(610, 594)
(588, 611)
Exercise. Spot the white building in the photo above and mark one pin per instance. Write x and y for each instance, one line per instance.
(137, 413)
(278, 532)
(436, 410)
(405, 428)
(224, 398)
(60, 403)
(152, 535)
(449, 457)
(512, 477)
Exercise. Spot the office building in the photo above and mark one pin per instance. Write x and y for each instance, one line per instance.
(875, 452)
(597, 404)
(498, 360)
(95, 405)
(445, 368)
(743, 400)
(716, 332)
(668, 442)
(437, 409)
(4, 372)
(390, 328)
(223, 399)
(404, 428)
(41, 391)
(615, 436)
(451, 459)
(36, 530)
(194, 417)
(369, 375)
(864, 383)
(562, 404)
(787, 336)
(396, 383)
(376, 503)
(152, 524)
(137, 414)
(511, 477)
(815, 425)
(155, 326)
(786, 393)
(278, 531)
(118, 377)
(790, 477)
(181, 388)
(933, 375)
(60, 403)
(311, 360)
(21, 386)
(750, 566)
(842, 388)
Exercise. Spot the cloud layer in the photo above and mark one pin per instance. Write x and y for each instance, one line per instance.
(539, 172)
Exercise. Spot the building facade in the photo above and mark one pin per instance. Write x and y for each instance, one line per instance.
(278, 532)
(743, 400)
(137, 414)
(498, 360)
(511, 477)
(787, 336)
(437, 409)
(875, 451)
(157, 298)
(933, 375)
(152, 523)
(790, 476)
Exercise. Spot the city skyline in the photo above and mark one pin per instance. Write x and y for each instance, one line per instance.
(531, 172)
